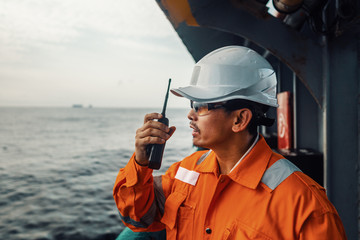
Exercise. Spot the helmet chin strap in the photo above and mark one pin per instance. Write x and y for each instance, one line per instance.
(263, 120)
(260, 116)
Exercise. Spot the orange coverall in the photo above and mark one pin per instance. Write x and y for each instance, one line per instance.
(263, 197)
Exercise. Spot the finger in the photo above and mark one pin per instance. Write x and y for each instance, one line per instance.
(151, 125)
(142, 142)
(156, 133)
(172, 130)
(155, 124)
(152, 132)
(152, 116)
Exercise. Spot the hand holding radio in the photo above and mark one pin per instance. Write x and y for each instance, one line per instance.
(151, 137)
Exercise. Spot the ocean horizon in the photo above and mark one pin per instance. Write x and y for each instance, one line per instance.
(58, 166)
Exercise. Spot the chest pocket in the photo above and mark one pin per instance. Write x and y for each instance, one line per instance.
(240, 231)
(179, 216)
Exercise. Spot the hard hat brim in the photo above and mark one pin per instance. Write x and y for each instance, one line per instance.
(199, 94)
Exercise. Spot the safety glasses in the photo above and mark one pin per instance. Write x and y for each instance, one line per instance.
(203, 108)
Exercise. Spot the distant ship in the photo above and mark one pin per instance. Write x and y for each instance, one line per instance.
(77, 105)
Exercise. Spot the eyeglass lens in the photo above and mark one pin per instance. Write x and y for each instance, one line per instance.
(200, 108)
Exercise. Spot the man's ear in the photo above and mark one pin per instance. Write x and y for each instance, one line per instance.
(242, 119)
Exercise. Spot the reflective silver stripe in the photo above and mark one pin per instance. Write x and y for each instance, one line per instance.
(159, 194)
(145, 221)
(148, 218)
(132, 221)
(202, 158)
(278, 172)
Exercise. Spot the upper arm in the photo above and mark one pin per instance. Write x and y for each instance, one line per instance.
(323, 226)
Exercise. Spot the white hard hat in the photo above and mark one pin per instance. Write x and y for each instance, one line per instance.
(232, 72)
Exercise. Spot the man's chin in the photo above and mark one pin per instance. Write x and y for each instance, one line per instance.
(200, 146)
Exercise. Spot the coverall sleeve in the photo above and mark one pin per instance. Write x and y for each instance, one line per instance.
(140, 197)
(323, 226)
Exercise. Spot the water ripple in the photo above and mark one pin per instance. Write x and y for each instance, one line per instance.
(58, 167)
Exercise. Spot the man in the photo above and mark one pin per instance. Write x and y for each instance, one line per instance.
(240, 188)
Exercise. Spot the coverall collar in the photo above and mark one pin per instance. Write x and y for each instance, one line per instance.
(249, 171)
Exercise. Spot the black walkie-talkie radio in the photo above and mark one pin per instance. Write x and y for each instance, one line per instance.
(157, 150)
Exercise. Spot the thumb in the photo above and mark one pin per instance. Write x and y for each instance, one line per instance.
(172, 130)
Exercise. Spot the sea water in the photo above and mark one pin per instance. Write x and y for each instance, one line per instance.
(58, 167)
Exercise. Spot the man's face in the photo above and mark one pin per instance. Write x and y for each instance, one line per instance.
(211, 130)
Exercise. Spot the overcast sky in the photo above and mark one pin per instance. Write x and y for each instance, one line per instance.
(107, 53)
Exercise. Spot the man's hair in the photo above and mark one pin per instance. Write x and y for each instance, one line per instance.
(258, 111)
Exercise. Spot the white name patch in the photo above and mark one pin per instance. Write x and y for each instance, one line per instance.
(187, 176)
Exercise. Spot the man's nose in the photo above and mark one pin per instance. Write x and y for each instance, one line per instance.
(192, 115)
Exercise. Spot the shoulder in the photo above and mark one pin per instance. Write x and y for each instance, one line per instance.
(194, 159)
(188, 162)
(313, 192)
(287, 182)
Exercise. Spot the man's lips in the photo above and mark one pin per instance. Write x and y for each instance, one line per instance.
(195, 128)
